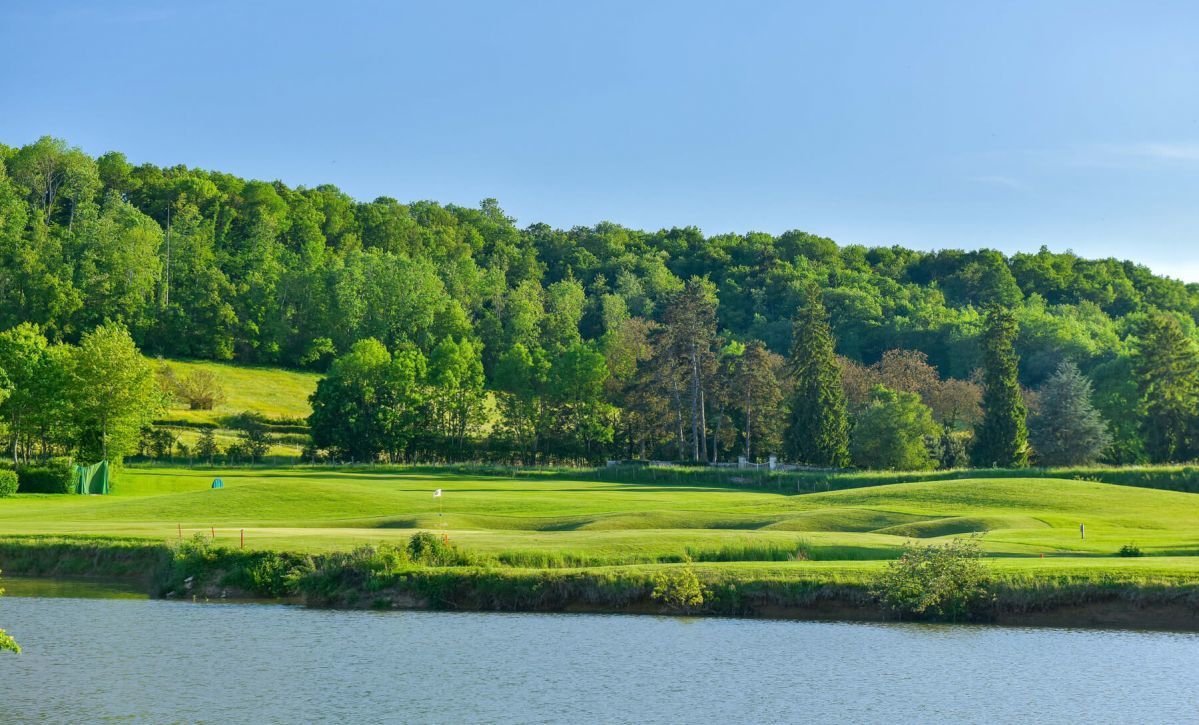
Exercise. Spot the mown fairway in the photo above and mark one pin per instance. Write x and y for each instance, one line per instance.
(540, 520)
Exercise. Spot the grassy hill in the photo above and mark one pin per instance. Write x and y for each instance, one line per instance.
(279, 395)
(273, 392)
(543, 520)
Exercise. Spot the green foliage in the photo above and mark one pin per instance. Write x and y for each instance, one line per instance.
(678, 590)
(953, 449)
(508, 319)
(1065, 428)
(1131, 550)
(891, 432)
(1001, 439)
(7, 643)
(946, 582)
(253, 434)
(8, 483)
(371, 403)
(429, 549)
(1167, 374)
(199, 389)
(113, 393)
(206, 447)
(54, 476)
(818, 431)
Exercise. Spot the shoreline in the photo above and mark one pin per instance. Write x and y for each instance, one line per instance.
(341, 581)
(1110, 616)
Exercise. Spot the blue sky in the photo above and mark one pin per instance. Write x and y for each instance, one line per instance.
(957, 124)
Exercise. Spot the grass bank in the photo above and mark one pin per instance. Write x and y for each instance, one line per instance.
(1142, 594)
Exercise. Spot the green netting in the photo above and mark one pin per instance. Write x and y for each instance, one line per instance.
(92, 479)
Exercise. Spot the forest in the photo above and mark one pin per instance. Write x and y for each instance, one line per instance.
(449, 332)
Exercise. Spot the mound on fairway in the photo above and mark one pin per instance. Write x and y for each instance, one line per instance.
(593, 521)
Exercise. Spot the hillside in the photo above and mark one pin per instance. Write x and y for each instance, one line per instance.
(280, 396)
(277, 394)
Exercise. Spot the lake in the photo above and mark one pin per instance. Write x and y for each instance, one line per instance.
(110, 656)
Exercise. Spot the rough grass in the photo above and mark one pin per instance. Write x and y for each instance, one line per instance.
(276, 393)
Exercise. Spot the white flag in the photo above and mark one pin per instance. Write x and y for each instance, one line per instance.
(437, 493)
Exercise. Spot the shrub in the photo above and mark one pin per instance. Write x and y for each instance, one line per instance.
(947, 582)
(8, 483)
(55, 476)
(7, 643)
(427, 548)
(1130, 550)
(678, 590)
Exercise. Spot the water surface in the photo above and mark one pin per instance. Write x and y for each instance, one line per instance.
(165, 661)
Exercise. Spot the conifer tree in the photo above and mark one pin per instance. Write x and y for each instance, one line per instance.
(1066, 430)
(1001, 439)
(818, 429)
(1167, 374)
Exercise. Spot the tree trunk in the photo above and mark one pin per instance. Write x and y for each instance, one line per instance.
(678, 408)
(748, 431)
(716, 433)
(695, 404)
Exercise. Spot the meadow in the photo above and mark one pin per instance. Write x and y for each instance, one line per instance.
(278, 395)
(560, 519)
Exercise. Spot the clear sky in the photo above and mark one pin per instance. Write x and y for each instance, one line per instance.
(954, 124)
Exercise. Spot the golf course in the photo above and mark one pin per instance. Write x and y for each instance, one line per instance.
(556, 519)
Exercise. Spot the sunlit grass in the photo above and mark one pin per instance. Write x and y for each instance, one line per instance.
(555, 521)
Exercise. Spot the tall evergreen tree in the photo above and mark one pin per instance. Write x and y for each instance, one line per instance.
(818, 429)
(1167, 374)
(1066, 430)
(1001, 439)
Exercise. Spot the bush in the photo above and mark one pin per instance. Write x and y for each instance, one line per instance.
(678, 590)
(8, 483)
(55, 476)
(431, 550)
(1130, 550)
(947, 582)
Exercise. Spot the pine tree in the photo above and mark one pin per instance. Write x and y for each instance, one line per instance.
(1001, 439)
(1066, 430)
(1167, 373)
(818, 429)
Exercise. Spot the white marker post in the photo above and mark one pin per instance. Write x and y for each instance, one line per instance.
(440, 509)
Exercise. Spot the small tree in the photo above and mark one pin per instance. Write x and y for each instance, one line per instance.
(254, 435)
(1065, 429)
(891, 431)
(114, 393)
(206, 447)
(953, 449)
(679, 590)
(200, 389)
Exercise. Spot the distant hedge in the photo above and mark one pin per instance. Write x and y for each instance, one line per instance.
(52, 477)
(8, 483)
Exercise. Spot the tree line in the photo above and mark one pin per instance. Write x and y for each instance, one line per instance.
(600, 341)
